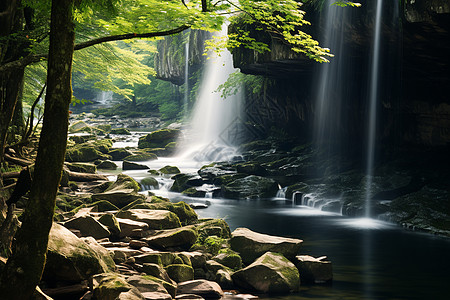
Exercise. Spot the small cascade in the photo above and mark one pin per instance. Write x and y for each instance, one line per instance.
(215, 125)
(316, 201)
(373, 100)
(281, 193)
(186, 77)
(104, 98)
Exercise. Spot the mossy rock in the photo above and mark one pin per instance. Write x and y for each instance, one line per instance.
(80, 139)
(184, 181)
(150, 183)
(128, 165)
(119, 154)
(185, 213)
(158, 199)
(124, 182)
(135, 204)
(194, 192)
(212, 244)
(217, 227)
(180, 272)
(169, 170)
(79, 126)
(227, 179)
(81, 167)
(156, 219)
(251, 168)
(107, 165)
(120, 131)
(110, 221)
(119, 198)
(104, 127)
(113, 286)
(229, 259)
(170, 288)
(179, 238)
(170, 148)
(141, 157)
(250, 187)
(158, 139)
(84, 154)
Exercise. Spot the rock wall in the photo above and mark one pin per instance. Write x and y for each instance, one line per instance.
(414, 88)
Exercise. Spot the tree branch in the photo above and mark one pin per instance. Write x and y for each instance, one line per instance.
(33, 58)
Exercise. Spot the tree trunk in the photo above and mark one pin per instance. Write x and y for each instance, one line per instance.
(24, 268)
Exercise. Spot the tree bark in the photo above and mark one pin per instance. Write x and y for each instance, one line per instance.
(24, 268)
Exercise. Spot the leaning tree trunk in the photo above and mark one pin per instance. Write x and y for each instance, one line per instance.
(24, 268)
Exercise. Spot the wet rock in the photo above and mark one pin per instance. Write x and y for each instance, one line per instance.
(204, 288)
(127, 165)
(84, 154)
(88, 226)
(182, 238)
(145, 284)
(71, 259)
(210, 173)
(145, 156)
(250, 187)
(184, 181)
(124, 182)
(119, 154)
(189, 297)
(180, 272)
(159, 138)
(184, 212)
(119, 198)
(270, 273)
(223, 278)
(251, 168)
(169, 170)
(250, 244)
(230, 260)
(150, 183)
(81, 167)
(156, 270)
(156, 219)
(314, 270)
(198, 259)
(103, 205)
(120, 131)
(194, 192)
(107, 165)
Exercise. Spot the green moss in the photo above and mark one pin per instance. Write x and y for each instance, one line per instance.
(141, 157)
(120, 131)
(169, 170)
(180, 272)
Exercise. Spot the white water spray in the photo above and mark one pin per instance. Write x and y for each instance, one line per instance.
(215, 122)
(186, 77)
(373, 99)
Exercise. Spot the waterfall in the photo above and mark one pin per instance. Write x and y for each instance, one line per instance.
(186, 77)
(104, 97)
(215, 123)
(329, 89)
(373, 99)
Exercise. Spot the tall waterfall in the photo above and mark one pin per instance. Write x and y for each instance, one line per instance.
(373, 101)
(215, 121)
(331, 85)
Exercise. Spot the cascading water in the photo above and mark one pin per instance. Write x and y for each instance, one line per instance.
(373, 100)
(104, 97)
(215, 122)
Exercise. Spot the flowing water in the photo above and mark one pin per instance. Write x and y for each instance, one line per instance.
(186, 77)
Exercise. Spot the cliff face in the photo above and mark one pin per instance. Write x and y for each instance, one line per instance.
(170, 59)
(414, 87)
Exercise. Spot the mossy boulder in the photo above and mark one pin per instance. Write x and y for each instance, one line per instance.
(119, 154)
(118, 198)
(110, 221)
(169, 170)
(180, 238)
(79, 126)
(103, 205)
(123, 182)
(185, 213)
(111, 286)
(149, 183)
(88, 226)
(180, 272)
(216, 227)
(107, 165)
(184, 181)
(159, 138)
(156, 219)
(204, 288)
(84, 153)
(81, 167)
(250, 244)
(271, 273)
(120, 131)
(141, 157)
(251, 168)
(194, 192)
(229, 259)
(314, 270)
(250, 187)
(72, 259)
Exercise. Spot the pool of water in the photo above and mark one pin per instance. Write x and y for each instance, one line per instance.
(371, 259)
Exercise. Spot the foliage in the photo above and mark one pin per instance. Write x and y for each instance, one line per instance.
(252, 83)
(282, 20)
(318, 4)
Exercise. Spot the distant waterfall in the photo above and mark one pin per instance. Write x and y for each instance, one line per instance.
(186, 77)
(104, 97)
(373, 100)
(215, 122)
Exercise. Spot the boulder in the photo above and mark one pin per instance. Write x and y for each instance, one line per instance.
(270, 273)
(81, 167)
(145, 284)
(128, 227)
(103, 205)
(169, 170)
(314, 270)
(216, 227)
(119, 154)
(182, 238)
(155, 270)
(229, 259)
(84, 153)
(156, 219)
(124, 182)
(223, 278)
(107, 165)
(250, 244)
(250, 187)
(206, 289)
(127, 165)
(210, 173)
(88, 226)
(119, 198)
(198, 259)
(72, 259)
(180, 272)
(158, 139)
(141, 157)
(111, 286)
(185, 213)
(194, 192)
(184, 181)
(111, 222)
(150, 183)
(120, 131)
